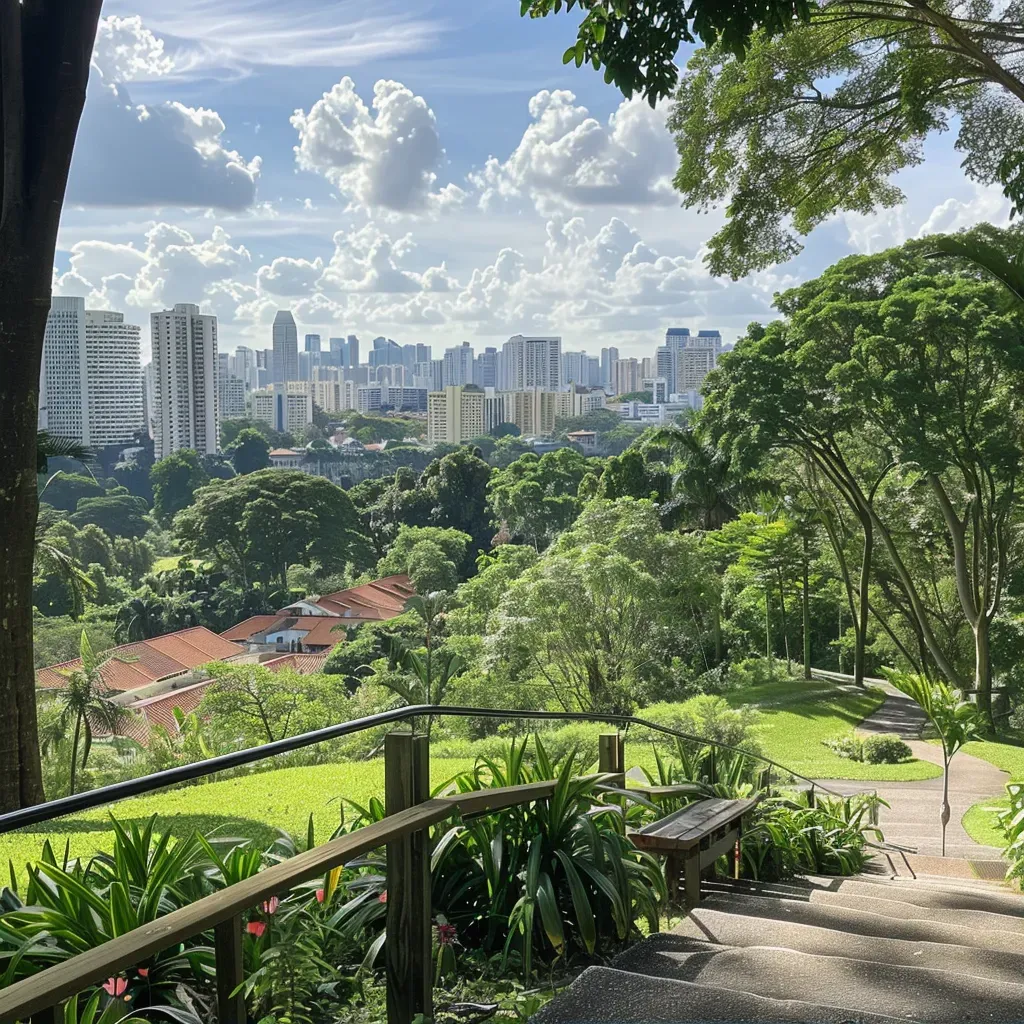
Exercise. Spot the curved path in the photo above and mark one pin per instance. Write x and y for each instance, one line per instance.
(912, 818)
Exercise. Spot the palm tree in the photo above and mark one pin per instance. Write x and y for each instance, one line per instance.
(50, 446)
(140, 618)
(84, 704)
(53, 559)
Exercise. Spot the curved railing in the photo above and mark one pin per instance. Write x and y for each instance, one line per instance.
(250, 755)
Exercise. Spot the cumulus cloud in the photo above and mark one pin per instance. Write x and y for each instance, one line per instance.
(567, 157)
(387, 158)
(287, 276)
(161, 154)
(368, 260)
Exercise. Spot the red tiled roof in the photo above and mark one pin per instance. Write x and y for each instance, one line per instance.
(247, 627)
(320, 631)
(159, 710)
(304, 664)
(283, 452)
(138, 664)
(380, 599)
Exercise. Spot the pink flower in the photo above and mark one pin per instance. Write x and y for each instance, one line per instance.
(383, 897)
(446, 934)
(270, 906)
(143, 972)
(319, 895)
(115, 986)
(256, 928)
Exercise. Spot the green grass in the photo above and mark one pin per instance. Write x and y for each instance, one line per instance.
(169, 562)
(798, 715)
(252, 806)
(980, 820)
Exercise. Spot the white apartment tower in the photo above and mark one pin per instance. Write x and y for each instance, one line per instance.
(286, 347)
(92, 378)
(528, 363)
(689, 359)
(185, 364)
(458, 365)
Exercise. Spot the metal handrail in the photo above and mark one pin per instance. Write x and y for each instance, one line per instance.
(38, 813)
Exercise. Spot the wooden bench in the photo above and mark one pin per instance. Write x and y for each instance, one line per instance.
(693, 839)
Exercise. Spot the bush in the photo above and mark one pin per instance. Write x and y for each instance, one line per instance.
(886, 748)
(881, 748)
(707, 716)
(758, 672)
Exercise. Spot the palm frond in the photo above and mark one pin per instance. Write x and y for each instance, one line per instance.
(51, 446)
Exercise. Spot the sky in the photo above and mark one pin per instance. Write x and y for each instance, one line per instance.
(426, 171)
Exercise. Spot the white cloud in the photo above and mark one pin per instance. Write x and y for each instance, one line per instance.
(287, 276)
(987, 204)
(368, 260)
(125, 50)
(566, 157)
(386, 159)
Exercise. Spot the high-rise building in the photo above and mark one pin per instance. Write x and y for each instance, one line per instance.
(455, 414)
(422, 353)
(286, 407)
(286, 348)
(148, 397)
(593, 371)
(185, 371)
(531, 363)
(409, 357)
(533, 412)
(658, 388)
(485, 368)
(91, 384)
(688, 359)
(625, 376)
(243, 365)
(312, 342)
(429, 375)
(352, 351)
(230, 396)
(458, 366)
(578, 401)
(385, 352)
(576, 368)
(648, 367)
(608, 356)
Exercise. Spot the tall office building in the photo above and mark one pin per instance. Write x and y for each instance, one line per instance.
(185, 371)
(385, 352)
(625, 376)
(312, 342)
(91, 384)
(485, 368)
(593, 371)
(687, 359)
(423, 354)
(409, 357)
(576, 368)
(352, 351)
(531, 363)
(286, 348)
(608, 356)
(458, 366)
(243, 365)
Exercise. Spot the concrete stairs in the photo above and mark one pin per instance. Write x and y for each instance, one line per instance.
(819, 951)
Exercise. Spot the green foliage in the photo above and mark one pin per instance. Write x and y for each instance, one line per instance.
(637, 44)
(249, 451)
(1011, 823)
(175, 480)
(120, 515)
(255, 526)
(505, 430)
(709, 717)
(231, 428)
(955, 719)
(64, 490)
(454, 547)
(816, 122)
(874, 748)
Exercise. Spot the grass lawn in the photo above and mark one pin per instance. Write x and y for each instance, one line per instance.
(250, 805)
(980, 820)
(169, 562)
(798, 715)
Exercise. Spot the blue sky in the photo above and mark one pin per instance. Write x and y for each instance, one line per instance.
(427, 171)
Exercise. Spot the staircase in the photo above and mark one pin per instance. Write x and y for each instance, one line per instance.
(825, 950)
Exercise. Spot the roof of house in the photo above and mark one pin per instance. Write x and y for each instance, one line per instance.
(304, 664)
(381, 599)
(582, 433)
(284, 453)
(250, 626)
(138, 664)
(159, 710)
(316, 629)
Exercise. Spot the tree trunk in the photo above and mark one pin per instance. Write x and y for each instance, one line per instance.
(944, 811)
(45, 48)
(861, 622)
(806, 610)
(983, 667)
(75, 739)
(785, 624)
(716, 630)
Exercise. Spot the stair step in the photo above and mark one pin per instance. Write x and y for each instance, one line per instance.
(996, 901)
(604, 995)
(865, 922)
(849, 984)
(734, 929)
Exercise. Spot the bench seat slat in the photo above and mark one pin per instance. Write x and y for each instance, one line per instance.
(687, 827)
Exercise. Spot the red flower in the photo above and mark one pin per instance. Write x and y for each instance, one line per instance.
(270, 906)
(143, 972)
(383, 897)
(256, 928)
(319, 895)
(115, 986)
(446, 934)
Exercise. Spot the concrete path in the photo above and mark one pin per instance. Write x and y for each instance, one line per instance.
(912, 818)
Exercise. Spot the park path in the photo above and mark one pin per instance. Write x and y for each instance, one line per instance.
(912, 818)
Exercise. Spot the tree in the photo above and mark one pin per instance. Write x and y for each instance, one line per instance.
(456, 487)
(65, 490)
(955, 720)
(45, 48)
(637, 44)
(505, 429)
(254, 526)
(814, 122)
(249, 452)
(119, 515)
(453, 546)
(176, 479)
(84, 705)
(429, 570)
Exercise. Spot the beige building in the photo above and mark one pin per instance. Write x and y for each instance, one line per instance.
(625, 376)
(578, 402)
(533, 412)
(455, 414)
(285, 407)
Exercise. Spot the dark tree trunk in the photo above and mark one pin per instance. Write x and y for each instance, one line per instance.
(805, 607)
(45, 48)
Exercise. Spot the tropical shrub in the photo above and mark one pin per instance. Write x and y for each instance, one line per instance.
(758, 672)
(880, 748)
(1012, 823)
(707, 716)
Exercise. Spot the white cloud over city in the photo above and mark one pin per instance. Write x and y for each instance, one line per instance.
(365, 205)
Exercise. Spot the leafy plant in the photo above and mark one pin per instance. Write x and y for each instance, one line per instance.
(879, 748)
(1012, 823)
(955, 719)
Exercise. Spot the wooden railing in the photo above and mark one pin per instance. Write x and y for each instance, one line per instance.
(410, 810)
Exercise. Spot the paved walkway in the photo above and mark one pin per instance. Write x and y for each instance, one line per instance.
(912, 818)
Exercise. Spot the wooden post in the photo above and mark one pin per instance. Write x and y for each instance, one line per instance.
(810, 797)
(611, 754)
(691, 878)
(714, 774)
(408, 946)
(227, 942)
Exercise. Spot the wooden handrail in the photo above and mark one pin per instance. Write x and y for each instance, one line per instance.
(41, 991)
